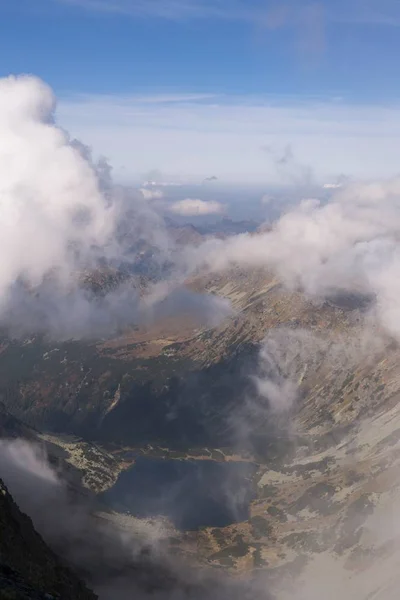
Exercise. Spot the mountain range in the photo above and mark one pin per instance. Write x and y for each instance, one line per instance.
(304, 395)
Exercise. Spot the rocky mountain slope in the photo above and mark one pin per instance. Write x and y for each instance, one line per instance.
(327, 472)
(123, 389)
(28, 568)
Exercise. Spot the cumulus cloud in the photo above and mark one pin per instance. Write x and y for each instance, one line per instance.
(62, 218)
(332, 186)
(350, 245)
(194, 207)
(151, 194)
(51, 204)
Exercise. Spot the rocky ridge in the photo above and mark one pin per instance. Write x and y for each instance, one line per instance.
(28, 568)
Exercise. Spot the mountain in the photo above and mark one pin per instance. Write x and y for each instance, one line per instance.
(187, 233)
(323, 475)
(124, 390)
(93, 389)
(10, 427)
(28, 568)
(120, 560)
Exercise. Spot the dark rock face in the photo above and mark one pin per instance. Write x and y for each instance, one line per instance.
(11, 427)
(28, 568)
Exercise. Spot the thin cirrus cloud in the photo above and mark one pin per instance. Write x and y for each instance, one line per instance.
(189, 136)
(175, 9)
(271, 12)
(307, 20)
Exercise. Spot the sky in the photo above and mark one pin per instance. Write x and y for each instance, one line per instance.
(246, 90)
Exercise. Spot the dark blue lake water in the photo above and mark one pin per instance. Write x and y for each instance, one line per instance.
(191, 493)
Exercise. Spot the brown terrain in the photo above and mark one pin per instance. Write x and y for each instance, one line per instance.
(327, 479)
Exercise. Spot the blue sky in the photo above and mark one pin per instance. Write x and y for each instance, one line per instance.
(144, 81)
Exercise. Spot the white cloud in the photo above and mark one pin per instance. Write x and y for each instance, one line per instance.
(270, 14)
(349, 246)
(173, 9)
(50, 195)
(151, 194)
(195, 207)
(228, 136)
(60, 213)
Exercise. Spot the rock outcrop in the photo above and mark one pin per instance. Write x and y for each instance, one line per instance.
(28, 568)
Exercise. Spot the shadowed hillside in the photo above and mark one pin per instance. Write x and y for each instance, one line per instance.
(28, 568)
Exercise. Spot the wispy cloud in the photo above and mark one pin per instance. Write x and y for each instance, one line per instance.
(271, 13)
(228, 136)
(171, 9)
